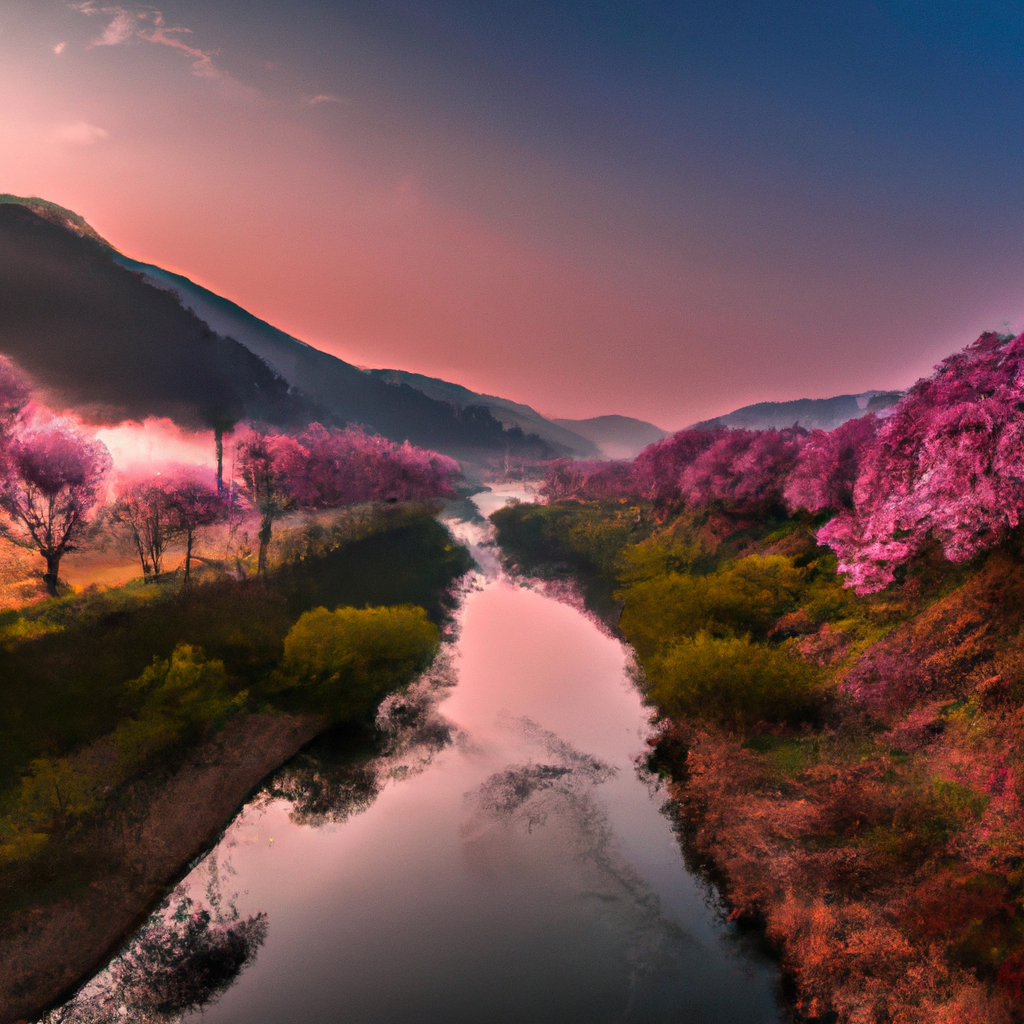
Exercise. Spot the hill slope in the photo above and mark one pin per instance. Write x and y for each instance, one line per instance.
(507, 412)
(811, 413)
(618, 437)
(117, 339)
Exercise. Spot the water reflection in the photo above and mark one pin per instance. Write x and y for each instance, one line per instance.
(492, 855)
(189, 952)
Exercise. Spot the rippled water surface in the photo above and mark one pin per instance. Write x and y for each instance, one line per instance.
(505, 862)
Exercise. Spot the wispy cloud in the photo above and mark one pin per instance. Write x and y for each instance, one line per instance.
(80, 133)
(326, 97)
(59, 48)
(148, 24)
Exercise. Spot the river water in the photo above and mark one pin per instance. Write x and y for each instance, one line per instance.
(505, 861)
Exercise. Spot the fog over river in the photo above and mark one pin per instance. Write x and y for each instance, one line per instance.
(505, 861)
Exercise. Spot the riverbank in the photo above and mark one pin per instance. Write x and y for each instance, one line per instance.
(847, 769)
(138, 853)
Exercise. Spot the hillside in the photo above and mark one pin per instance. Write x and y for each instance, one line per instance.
(810, 413)
(618, 437)
(119, 339)
(511, 414)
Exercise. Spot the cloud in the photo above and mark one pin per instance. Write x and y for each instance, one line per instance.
(326, 97)
(81, 133)
(147, 24)
(120, 29)
(59, 48)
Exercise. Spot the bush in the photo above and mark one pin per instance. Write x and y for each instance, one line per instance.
(344, 661)
(733, 682)
(746, 597)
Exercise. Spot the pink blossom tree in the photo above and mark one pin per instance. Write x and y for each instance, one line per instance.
(743, 466)
(660, 466)
(14, 396)
(591, 481)
(142, 508)
(193, 506)
(828, 465)
(947, 468)
(49, 486)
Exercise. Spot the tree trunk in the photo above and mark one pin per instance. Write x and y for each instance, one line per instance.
(261, 558)
(50, 576)
(218, 436)
(188, 556)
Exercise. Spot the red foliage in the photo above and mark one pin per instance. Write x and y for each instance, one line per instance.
(660, 466)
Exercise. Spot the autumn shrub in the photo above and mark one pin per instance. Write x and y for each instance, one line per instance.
(343, 662)
(733, 682)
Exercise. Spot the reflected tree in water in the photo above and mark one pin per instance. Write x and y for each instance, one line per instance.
(557, 794)
(337, 777)
(189, 952)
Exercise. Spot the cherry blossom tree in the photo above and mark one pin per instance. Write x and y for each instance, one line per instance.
(660, 466)
(142, 508)
(591, 481)
(49, 486)
(744, 466)
(193, 506)
(828, 465)
(947, 467)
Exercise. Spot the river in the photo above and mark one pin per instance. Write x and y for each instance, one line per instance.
(505, 861)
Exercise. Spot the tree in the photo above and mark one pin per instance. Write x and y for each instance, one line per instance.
(192, 506)
(828, 465)
(947, 468)
(261, 459)
(49, 486)
(143, 510)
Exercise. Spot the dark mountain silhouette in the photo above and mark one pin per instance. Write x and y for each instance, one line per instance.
(117, 339)
(507, 412)
(811, 413)
(618, 437)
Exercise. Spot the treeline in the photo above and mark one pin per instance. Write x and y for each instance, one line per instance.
(945, 469)
(829, 627)
(53, 473)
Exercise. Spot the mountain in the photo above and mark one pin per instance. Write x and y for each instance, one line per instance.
(618, 437)
(811, 413)
(118, 339)
(511, 414)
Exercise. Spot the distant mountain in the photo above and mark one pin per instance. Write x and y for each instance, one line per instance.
(121, 339)
(810, 413)
(509, 413)
(618, 437)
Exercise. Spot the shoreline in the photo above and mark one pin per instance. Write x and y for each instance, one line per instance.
(51, 951)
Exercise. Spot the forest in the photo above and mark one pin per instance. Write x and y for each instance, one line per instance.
(827, 625)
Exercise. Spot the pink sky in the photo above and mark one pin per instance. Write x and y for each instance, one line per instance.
(392, 231)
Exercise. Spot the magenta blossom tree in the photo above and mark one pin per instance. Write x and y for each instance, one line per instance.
(49, 486)
(659, 468)
(828, 465)
(743, 466)
(947, 468)
(192, 506)
(590, 481)
(262, 459)
(142, 508)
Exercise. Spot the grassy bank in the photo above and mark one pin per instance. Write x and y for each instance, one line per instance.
(113, 698)
(849, 767)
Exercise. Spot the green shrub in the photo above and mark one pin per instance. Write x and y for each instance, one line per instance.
(732, 681)
(342, 662)
(745, 597)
